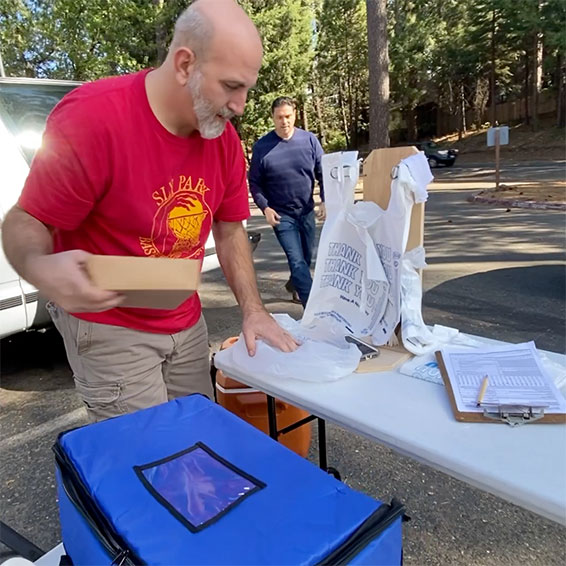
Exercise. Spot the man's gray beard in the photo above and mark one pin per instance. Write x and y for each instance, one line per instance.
(209, 125)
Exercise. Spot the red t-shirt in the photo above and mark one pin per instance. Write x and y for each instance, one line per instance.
(112, 180)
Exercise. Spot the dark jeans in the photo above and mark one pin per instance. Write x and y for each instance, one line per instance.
(296, 236)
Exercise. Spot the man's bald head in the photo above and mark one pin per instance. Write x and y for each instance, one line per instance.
(213, 61)
(206, 20)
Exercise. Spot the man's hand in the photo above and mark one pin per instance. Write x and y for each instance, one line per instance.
(321, 212)
(271, 216)
(62, 277)
(260, 324)
(235, 258)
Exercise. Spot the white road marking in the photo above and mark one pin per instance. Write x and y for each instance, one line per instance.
(74, 418)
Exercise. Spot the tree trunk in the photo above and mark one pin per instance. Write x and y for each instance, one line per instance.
(537, 73)
(355, 125)
(248, 153)
(378, 59)
(160, 34)
(461, 112)
(493, 77)
(411, 123)
(452, 125)
(561, 94)
(351, 111)
(481, 94)
(536, 79)
(463, 127)
(318, 111)
(527, 83)
(303, 116)
(343, 114)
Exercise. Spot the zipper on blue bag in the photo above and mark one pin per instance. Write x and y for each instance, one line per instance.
(369, 530)
(86, 506)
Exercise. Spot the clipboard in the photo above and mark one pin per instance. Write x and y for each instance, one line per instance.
(513, 415)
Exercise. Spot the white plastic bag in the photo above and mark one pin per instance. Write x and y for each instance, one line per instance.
(391, 234)
(417, 338)
(416, 335)
(357, 274)
(424, 366)
(319, 358)
(349, 285)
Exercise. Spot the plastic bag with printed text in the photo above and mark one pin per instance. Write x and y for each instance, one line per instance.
(358, 266)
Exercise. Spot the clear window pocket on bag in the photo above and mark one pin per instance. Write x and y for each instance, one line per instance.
(197, 485)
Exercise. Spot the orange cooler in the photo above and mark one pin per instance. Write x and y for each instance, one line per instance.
(251, 406)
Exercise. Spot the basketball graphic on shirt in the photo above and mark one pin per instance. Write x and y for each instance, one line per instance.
(182, 222)
(185, 222)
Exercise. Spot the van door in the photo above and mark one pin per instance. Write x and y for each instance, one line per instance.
(14, 170)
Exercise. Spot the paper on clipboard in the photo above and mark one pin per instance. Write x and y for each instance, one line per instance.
(516, 377)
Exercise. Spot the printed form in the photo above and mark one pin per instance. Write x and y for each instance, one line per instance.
(514, 373)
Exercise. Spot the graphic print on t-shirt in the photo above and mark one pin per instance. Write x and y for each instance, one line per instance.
(182, 221)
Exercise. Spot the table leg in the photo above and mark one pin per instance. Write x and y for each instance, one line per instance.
(274, 433)
(18, 543)
(322, 444)
(272, 417)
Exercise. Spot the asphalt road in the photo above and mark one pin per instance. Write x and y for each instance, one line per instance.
(491, 272)
(510, 170)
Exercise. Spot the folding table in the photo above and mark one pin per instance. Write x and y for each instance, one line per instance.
(525, 465)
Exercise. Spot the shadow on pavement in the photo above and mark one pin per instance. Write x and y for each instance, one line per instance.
(524, 303)
(29, 356)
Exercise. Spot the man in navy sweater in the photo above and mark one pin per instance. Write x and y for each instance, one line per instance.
(285, 164)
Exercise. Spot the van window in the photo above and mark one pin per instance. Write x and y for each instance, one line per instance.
(24, 109)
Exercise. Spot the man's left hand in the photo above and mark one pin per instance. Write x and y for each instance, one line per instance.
(321, 212)
(260, 324)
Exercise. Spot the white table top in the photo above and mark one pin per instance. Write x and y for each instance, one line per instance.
(52, 557)
(525, 465)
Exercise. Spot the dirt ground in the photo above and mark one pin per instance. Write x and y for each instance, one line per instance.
(546, 144)
(547, 192)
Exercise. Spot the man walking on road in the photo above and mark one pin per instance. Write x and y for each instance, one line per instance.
(121, 159)
(285, 164)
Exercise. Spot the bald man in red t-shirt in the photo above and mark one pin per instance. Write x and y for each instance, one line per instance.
(123, 161)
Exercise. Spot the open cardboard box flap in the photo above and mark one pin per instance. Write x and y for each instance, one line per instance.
(146, 282)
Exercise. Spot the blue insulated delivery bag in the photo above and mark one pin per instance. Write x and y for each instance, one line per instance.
(187, 482)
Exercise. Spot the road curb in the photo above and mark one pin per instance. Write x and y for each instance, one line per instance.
(517, 203)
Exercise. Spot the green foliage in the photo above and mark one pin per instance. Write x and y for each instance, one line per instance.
(314, 50)
(285, 27)
(412, 49)
(335, 141)
(342, 65)
(76, 39)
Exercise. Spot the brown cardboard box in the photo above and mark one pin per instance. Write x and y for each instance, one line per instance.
(377, 186)
(146, 282)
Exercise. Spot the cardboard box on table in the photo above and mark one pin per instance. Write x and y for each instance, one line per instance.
(377, 177)
(146, 282)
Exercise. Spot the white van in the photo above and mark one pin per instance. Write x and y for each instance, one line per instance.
(24, 107)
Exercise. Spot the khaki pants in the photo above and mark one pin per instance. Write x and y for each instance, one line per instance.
(118, 370)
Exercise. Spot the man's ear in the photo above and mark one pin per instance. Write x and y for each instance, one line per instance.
(184, 61)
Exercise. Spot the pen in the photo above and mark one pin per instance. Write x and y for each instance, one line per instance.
(482, 390)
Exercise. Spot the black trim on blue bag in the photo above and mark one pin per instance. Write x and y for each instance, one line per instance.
(368, 531)
(192, 527)
(87, 506)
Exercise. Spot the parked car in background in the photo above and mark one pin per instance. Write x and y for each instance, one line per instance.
(24, 107)
(435, 155)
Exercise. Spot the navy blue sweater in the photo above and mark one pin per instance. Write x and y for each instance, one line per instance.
(282, 172)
